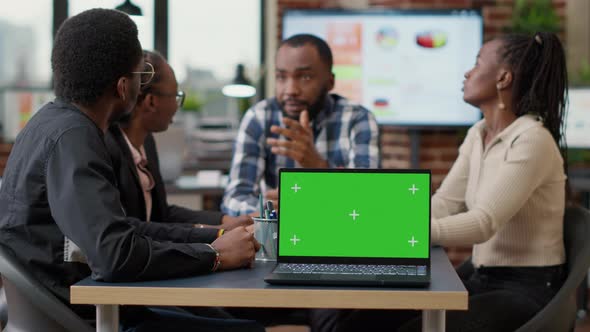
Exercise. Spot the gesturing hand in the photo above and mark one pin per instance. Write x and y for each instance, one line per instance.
(299, 146)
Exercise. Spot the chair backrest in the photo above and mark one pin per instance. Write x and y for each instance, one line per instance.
(171, 150)
(560, 313)
(31, 307)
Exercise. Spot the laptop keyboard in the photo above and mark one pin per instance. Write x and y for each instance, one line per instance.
(402, 270)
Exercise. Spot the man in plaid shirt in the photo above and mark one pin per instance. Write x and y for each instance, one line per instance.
(303, 126)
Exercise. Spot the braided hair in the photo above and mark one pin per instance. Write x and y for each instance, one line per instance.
(540, 83)
(540, 79)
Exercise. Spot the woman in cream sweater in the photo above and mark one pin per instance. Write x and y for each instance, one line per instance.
(505, 193)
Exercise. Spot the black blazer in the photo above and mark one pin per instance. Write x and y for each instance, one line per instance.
(130, 188)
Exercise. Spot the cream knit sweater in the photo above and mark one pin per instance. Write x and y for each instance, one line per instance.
(507, 199)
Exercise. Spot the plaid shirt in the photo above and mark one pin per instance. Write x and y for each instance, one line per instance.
(346, 135)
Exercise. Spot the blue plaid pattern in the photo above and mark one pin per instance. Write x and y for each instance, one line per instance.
(346, 135)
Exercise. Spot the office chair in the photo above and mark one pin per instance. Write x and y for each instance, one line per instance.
(560, 313)
(31, 307)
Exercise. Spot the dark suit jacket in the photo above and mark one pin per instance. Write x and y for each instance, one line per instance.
(131, 191)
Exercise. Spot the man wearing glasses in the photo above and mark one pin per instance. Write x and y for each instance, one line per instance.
(60, 209)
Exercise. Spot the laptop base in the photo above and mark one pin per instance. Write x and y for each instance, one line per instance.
(346, 280)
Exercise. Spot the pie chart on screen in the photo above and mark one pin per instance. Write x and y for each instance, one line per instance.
(431, 39)
(386, 38)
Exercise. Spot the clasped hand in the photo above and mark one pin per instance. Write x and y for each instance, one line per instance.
(237, 248)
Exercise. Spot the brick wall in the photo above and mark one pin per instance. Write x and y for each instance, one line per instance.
(438, 148)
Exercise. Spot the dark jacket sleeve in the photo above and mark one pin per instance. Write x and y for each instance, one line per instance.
(174, 232)
(85, 204)
(163, 212)
(179, 214)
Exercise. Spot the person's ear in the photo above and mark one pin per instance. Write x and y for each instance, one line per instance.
(331, 81)
(151, 102)
(504, 79)
(122, 88)
(147, 103)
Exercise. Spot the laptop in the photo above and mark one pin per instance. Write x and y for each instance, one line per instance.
(361, 227)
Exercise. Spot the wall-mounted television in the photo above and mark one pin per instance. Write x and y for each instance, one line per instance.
(406, 66)
(577, 132)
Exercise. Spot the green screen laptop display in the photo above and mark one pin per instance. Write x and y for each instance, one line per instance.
(325, 213)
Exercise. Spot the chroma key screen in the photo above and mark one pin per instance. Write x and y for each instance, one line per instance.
(326, 213)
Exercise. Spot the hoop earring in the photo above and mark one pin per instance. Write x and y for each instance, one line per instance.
(501, 104)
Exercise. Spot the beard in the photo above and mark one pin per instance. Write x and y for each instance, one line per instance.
(313, 109)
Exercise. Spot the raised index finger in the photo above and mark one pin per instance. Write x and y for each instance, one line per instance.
(304, 119)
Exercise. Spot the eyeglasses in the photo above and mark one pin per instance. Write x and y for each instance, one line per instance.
(147, 75)
(179, 96)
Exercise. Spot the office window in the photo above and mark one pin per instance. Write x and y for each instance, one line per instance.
(145, 23)
(25, 43)
(207, 40)
(25, 63)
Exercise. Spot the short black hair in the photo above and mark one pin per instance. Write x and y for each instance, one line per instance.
(320, 45)
(91, 51)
